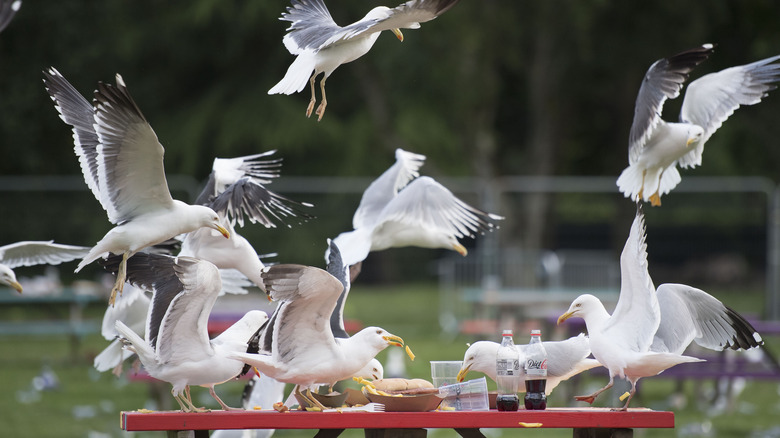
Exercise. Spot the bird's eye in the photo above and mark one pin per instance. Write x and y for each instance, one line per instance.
(578, 305)
(379, 332)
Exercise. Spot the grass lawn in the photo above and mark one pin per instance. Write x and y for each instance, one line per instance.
(87, 404)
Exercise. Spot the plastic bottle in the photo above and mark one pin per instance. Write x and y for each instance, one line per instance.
(508, 374)
(535, 373)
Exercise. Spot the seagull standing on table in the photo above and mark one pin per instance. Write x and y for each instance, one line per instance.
(565, 359)
(401, 208)
(649, 329)
(31, 253)
(656, 147)
(303, 349)
(122, 163)
(177, 348)
(320, 45)
(235, 189)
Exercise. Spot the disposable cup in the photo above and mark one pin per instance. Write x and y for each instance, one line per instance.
(445, 372)
(471, 395)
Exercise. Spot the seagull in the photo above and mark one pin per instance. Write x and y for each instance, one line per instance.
(177, 348)
(320, 45)
(649, 329)
(122, 163)
(303, 350)
(401, 208)
(8, 8)
(656, 147)
(565, 359)
(30, 253)
(236, 189)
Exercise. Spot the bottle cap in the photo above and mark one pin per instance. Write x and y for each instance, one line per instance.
(536, 332)
(507, 333)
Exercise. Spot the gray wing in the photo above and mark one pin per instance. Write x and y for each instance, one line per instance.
(30, 253)
(637, 314)
(689, 314)
(247, 197)
(183, 289)
(313, 27)
(426, 203)
(663, 80)
(383, 189)
(226, 171)
(309, 296)
(8, 9)
(130, 161)
(340, 271)
(713, 98)
(408, 15)
(77, 112)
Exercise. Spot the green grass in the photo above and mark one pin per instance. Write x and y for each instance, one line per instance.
(87, 402)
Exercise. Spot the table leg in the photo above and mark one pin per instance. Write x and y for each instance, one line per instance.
(188, 434)
(470, 433)
(600, 432)
(328, 433)
(396, 433)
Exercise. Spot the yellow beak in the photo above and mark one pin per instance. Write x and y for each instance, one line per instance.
(398, 34)
(223, 231)
(17, 286)
(462, 373)
(394, 340)
(690, 140)
(460, 249)
(564, 317)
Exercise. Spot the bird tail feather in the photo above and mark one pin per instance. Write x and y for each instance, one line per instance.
(669, 180)
(111, 356)
(138, 344)
(630, 182)
(297, 75)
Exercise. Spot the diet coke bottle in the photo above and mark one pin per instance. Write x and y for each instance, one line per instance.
(535, 373)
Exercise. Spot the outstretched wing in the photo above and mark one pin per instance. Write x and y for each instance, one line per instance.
(663, 80)
(713, 98)
(130, 159)
(690, 314)
(383, 189)
(30, 253)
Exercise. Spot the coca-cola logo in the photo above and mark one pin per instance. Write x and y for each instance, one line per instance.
(536, 364)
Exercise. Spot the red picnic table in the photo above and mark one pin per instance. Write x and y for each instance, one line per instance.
(585, 422)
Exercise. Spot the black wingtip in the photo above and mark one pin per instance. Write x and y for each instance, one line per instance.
(746, 336)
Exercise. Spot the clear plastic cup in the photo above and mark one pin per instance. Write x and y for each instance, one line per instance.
(445, 372)
(471, 395)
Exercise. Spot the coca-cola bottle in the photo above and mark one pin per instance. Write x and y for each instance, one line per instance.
(508, 374)
(535, 373)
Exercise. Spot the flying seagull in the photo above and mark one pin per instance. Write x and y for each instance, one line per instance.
(320, 45)
(31, 253)
(236, 190)
(177, 348)
(122, 163)
(650, 329)
(401, 208)
(657, 147)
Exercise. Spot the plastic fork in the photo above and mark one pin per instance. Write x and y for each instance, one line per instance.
(371, 407)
